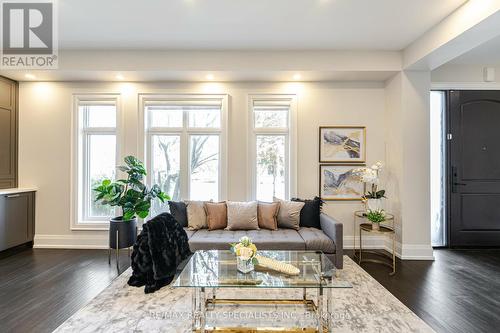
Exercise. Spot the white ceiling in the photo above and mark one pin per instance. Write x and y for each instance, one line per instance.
(485, 54)
(248, 24)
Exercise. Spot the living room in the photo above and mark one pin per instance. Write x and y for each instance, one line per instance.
(316, 152)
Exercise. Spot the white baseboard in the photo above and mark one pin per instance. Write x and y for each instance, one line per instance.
(417, 252)
(404, 252)
(71, 241)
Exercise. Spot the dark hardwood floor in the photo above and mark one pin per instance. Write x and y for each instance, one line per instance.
(459, 292)
(40, 289)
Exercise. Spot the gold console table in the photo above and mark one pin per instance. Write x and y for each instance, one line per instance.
(386, 228)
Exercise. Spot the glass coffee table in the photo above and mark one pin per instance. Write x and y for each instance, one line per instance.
(208, 271)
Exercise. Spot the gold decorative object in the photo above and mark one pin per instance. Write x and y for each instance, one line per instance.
(386, 228)
(277, 265)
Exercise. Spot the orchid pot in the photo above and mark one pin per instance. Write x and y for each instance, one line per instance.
(374, 204)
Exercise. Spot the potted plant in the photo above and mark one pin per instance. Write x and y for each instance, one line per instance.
(245, 252)
(375, 217)
(133, 197)
(370, 175)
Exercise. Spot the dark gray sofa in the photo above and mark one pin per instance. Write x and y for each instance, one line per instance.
(328, 239)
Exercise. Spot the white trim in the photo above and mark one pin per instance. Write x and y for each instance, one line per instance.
(145, 134)
(290, 134)
(79, 241)
(417, 252)
(75, 180)
(403, 252)
(465, 86)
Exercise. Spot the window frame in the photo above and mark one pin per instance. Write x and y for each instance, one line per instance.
(80, 164)
(289, 132)
(185, 134)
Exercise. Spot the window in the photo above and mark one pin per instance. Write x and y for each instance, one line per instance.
(96, 154)
(185, 142)
(271, 121)
(438, 162)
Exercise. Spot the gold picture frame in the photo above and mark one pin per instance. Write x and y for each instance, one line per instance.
(342, 144)
(335, 183)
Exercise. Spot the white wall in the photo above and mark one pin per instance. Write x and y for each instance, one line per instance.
(45, 141)
(459, 76)
(408, 161)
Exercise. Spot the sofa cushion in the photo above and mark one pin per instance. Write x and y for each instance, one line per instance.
(309, 215)
(242, 215)
(267, 215)
(281, 239)
(216, 215)
(289, 214)
(316, 240)
(197, 218)
(179, 212)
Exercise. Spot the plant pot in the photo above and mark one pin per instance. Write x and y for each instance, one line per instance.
(122, 233)
(375, 226)
(374, 204)
(244, 266)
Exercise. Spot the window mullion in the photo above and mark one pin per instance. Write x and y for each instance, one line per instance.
(185, 159)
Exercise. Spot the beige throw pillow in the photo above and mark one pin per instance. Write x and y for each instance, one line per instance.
(267, 214)
(197, 218)
(289, 214)
(216, 215)
(242, 215)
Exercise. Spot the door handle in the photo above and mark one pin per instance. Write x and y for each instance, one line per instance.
(13, 196)
(459, 184)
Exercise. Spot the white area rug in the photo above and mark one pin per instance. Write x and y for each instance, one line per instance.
(367, 307)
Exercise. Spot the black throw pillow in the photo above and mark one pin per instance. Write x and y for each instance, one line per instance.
(309, 215)
(179, 212)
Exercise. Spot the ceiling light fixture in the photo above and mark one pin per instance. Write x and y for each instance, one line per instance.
(30, 76)
(209, 77)
(120, 77)
(297, 76)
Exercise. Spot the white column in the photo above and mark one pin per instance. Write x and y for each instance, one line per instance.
(408, 161)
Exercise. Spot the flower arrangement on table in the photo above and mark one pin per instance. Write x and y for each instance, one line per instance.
(246, 253)
(370, 175)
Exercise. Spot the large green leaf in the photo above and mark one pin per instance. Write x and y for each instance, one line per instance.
(131, 194)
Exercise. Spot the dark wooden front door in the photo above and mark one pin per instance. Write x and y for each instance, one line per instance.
(474, 204)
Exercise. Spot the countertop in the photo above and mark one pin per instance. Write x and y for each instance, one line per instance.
(17, 190)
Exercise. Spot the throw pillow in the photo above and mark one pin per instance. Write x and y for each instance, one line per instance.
(197, 218)
(216, 215)
(242, 215)
(309, 215)
(289, 214)
(267, 215)
(178, 211)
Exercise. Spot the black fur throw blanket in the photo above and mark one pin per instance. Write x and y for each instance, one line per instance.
(160, 248)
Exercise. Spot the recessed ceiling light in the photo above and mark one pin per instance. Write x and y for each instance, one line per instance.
(119, 77)
(30, 76)
(297, 76)
(209, 77)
